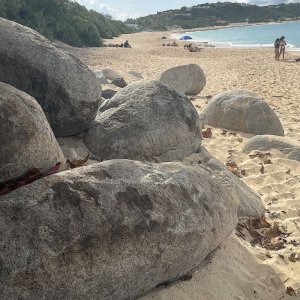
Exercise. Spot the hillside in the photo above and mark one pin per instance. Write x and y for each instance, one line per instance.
(216, 14)
(63, 20)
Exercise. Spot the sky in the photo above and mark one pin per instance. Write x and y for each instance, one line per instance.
(124, 9)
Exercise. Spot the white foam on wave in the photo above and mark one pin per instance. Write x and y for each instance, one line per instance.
(293, 48)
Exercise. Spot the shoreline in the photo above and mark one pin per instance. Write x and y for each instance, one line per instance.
(229, 45)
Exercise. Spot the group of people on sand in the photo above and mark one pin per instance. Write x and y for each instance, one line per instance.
(192, 48)
(174, 44)
(279, 46)
(122, 45)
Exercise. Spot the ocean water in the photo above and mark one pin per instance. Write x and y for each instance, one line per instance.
(250, 36)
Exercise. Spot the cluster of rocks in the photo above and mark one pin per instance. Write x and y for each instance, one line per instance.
(188, 79)
(247, 112)
(113, 79)
(115, 229)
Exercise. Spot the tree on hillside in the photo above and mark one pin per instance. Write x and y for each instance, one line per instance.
(63, 20)
(217, 14)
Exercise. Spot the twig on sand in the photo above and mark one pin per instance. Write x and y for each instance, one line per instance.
(281, 96)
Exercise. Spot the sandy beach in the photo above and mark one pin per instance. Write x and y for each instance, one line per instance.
(239, 269)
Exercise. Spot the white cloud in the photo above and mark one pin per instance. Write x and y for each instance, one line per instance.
(107, 9)
(115, 13)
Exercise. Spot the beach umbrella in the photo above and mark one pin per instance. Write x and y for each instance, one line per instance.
(186, 37)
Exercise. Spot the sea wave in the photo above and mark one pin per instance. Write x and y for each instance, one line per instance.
(290, 47)
(259, 36)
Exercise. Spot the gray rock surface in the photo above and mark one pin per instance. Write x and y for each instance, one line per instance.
(100, 76)
(136, 74)
(146, 121)
(188, 79)
(119, 82)
(107, 76)
(286, 145)
(73, 148)
(27, 140)
(242, 111)
(108, 93)
(67, 90)
(250, 204)
(110, 74)
(110, 231)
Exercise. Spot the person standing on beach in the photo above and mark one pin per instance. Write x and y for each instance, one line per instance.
(282, 44)
(276, 50)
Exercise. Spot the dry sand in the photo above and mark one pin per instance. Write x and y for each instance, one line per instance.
(238, 270)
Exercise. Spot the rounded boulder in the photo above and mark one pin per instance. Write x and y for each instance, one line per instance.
(189, 79)
(288, 146)
(242, 111)
(68, 92)
(145, 121)
(111, 231)
(27, 141)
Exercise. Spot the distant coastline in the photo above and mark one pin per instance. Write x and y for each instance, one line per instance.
(231, 25)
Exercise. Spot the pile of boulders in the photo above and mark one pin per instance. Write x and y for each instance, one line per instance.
(113, 229)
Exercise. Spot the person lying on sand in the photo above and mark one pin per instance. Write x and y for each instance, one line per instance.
(174, 44)
(293, 59)
(116, 45)
(195, 49)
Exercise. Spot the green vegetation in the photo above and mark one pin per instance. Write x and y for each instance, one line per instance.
(63, 20)
(216, 14)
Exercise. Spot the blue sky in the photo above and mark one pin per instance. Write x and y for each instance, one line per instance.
(124, 9)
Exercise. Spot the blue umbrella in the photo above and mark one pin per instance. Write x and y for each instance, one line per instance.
(186, 37)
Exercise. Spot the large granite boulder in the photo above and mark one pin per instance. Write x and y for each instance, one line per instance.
(250, 204)
(146, 121)
(286, 145)
(189, 79)
(242, 111)
(27, 140)
(110, 231)
(67, 90)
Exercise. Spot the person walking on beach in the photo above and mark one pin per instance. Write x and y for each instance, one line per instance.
(276, 49)
(282, 44)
